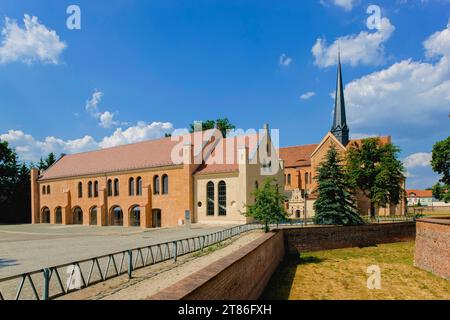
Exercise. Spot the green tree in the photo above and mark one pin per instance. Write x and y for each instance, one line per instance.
(375, 169)
(440, 162)
(222, 124)
(269, 204)
(334, 203)
(44, 164)
(8, 174)
(15, 194)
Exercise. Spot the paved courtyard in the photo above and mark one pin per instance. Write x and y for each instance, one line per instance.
(26, 248)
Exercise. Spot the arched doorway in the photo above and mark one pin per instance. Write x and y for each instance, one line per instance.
(135, 216)
(297, 213)
(116, 216)
(156, 218)
(77, 216)
(58, 215)
(45, 215)
(93, 216)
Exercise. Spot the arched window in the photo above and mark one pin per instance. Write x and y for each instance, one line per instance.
(131, 187)
(165, 184)
(306, 178)
(116, 216)
(77, 216)
(256, 185)
(222, 198)
(48, 189)
(210, 198)
(289, 179)
(93, 216)
(135, 216)
(96, 189)
(58, 215)
(116, 187)
(139, 186)
(156, 184)
(45, 215)
(90, 189)
(80, 190)
(109, 188)
(43, 189)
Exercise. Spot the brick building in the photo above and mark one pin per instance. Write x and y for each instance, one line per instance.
(153, 183)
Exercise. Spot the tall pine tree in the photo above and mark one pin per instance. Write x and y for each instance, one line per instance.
(334, 204)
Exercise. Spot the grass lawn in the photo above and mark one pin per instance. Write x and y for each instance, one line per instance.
(341, 274)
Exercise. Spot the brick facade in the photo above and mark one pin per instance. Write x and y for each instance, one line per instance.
(432, 252)
(336, 237)
(242, 275)
(57, 199)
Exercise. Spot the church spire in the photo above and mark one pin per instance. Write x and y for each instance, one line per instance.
(340, 128)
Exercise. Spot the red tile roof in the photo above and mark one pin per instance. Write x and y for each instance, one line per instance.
(297, 156)
(141, 155)
(419, 193)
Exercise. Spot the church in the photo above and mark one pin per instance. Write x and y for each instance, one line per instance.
(301, 164)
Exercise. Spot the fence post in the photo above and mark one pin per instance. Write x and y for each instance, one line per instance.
(203, 243)
(46, 286)
(130, 264)
(175, 251)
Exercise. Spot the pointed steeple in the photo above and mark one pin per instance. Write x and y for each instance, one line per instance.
(340, 128)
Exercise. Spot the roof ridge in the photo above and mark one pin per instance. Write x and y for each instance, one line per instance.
(300, 145)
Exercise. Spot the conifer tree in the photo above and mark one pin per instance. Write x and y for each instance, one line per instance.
(335, 203)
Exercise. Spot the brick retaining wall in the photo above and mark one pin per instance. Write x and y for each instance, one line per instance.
(335, 237)
(242, 275)
(432, 251)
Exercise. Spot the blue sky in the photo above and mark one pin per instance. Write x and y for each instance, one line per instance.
(137, 69)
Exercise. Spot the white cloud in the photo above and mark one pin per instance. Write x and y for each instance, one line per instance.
(31, 149)
(107, 120)
(284, 60)
(406, 93)
(347, 5)
(421, 159)
(365, 48)
(142, 131)
(357, 136)
(31, 43)
(307, 95)
(92, 103)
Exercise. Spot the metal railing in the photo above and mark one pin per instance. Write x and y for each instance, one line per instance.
(380, 219)
(56, 281)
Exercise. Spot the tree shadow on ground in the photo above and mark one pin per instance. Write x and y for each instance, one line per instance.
(368, 246)
(7, 263)
(309, 259)
(280, 284)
